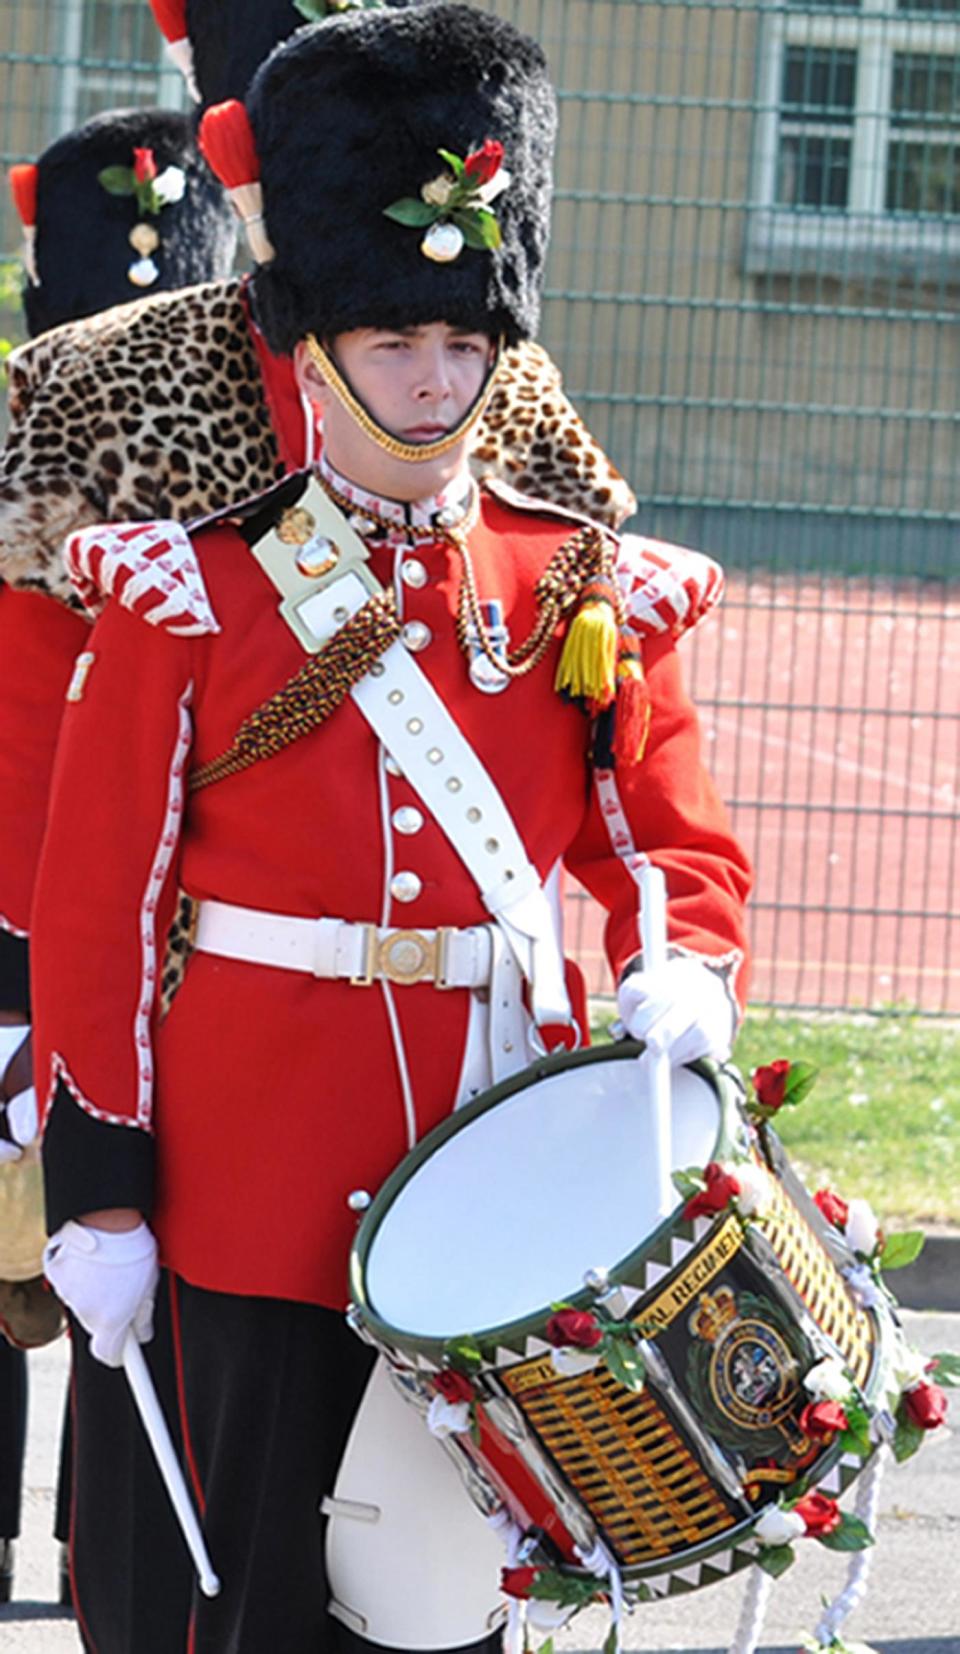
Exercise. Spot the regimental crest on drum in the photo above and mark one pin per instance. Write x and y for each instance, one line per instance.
(744, 1370)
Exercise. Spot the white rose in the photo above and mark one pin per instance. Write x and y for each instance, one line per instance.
(910, 1368)
(439, 190)
(827, 1381)
(494, 186)
(754, 1196)
(448, 1418)
(570, 1362)
(170, 184)
(861, 1228)
(547, 1616)
(778, 1527)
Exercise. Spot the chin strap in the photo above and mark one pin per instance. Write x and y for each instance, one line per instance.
(414, 453)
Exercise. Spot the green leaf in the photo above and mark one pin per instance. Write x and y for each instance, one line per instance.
(856, 1437)
(946, 1369)
(611, 1642)
(472, 234)
(902, 1249)
(489, 228)
(907, 1440)
(851, 1535)
(624, 1361)
(547, 1647)
(412, 212)
(463, 1353)
(775, 1559)
(453, 162)
(689, 1183)
(117, 180)
(800, 1082)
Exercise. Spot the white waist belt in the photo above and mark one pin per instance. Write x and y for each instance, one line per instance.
(337, 948)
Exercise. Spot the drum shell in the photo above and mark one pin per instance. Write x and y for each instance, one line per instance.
(22, 1232)
(554, 1467)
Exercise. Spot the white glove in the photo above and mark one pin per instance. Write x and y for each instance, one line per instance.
(20, 1120)
(109, 1281)
(681, 1008)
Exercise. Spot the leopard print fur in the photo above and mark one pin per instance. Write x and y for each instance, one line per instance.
(157, 409)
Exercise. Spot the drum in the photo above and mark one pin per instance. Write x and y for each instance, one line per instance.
(539, 1194)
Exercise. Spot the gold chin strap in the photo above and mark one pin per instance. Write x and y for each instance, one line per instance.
(413, 452)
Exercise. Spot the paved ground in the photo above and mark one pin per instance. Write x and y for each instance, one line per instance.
(912, 1607)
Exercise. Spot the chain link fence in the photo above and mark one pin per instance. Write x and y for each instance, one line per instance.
(753, 292)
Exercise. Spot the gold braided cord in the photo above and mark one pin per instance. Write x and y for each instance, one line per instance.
(413, 452)
(309, 697)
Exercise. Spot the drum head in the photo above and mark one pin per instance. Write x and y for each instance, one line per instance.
(509, 1210)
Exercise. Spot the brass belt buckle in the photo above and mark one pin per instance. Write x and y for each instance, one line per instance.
(405, 956)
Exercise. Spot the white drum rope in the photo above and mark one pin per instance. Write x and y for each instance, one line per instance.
(653, 941)
(752, 1611)
(853, 1593)
(515, 1631)
(600, 1562)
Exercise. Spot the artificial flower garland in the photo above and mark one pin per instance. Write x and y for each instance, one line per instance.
(153, 190)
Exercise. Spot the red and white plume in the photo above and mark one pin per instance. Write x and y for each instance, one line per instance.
(170, 17)
(23, 187)
(227, 143)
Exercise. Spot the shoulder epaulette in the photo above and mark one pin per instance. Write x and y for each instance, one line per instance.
(149, 568)
(666, 589)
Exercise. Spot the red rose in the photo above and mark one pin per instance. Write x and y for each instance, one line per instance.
(819, 1514)
(926, 1406)
(517, 1582)
(770, 1083)
(144, 166)
(822, 1419)
(720, 1190)
(453, 1387)
(484, 163)
(835, 1210)
(576, 1327)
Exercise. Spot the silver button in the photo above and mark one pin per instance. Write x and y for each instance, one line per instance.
(413, 573)
(406, 886)
(451, 515)
(416, 635)
(407, 819)
(390, 765)
(474, 813)
(358, 1200)
(362, 524)
(415, 726)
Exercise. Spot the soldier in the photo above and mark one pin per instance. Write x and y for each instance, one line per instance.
(309, 724)
(121, 206)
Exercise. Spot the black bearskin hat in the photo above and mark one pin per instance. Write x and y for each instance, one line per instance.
(220, 44)
(231, 38)
(84, 258)
(348, 118)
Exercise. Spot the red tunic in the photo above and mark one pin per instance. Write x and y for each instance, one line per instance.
(273, 1095)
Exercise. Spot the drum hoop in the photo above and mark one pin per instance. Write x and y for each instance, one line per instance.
(431, 1347)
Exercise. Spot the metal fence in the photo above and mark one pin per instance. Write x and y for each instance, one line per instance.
(753, 294)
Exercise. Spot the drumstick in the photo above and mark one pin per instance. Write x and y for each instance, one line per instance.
(653, 941)
(154, 1423)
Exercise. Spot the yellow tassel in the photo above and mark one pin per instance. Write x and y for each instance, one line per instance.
(588, 662)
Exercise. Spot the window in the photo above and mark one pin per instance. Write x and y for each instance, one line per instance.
(857, 154)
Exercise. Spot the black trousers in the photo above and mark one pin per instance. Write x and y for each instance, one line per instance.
(13, 1435)
(260, 1395)
(14, 1388)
